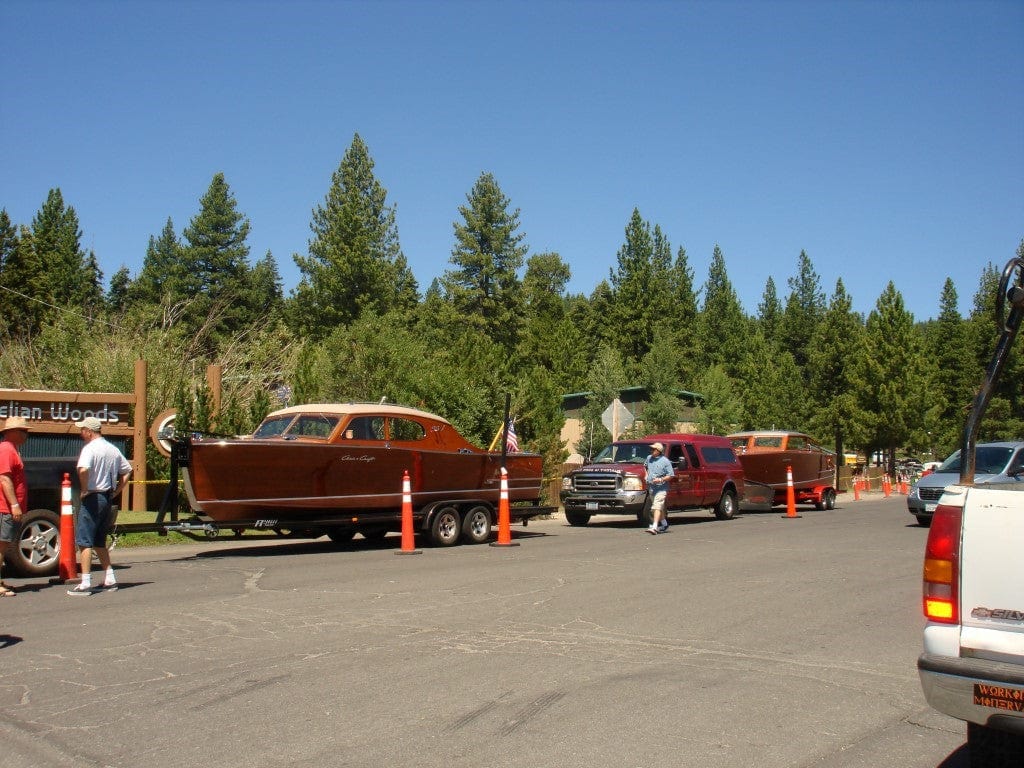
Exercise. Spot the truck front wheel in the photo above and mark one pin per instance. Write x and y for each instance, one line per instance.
(577, 518)
(726, 507)
(36, 548)
(644, 515)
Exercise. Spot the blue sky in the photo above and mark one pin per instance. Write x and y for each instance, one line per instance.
(884, 138)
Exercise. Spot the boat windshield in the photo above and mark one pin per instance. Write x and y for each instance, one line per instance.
(304, 425)
(623, 453)
(768, 441)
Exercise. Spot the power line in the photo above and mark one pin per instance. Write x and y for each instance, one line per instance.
(65, 310)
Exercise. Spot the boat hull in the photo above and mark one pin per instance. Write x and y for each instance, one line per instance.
(810, 469)
(252, 479)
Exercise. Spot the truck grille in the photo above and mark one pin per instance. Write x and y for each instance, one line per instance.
(595, 482)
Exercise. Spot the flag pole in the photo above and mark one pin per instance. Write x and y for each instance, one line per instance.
(504, 427)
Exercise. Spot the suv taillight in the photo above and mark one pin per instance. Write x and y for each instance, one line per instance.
(942, 565)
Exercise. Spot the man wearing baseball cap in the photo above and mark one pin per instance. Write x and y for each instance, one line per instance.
(659, 472)
(102, 474)
(13, 488)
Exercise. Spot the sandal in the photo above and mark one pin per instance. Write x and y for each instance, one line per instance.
(6, 591)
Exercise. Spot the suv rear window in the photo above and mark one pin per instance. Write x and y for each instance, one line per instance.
(714, 454)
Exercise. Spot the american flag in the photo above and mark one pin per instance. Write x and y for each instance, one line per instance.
(511, 441)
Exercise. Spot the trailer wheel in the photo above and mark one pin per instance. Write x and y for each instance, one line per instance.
(830, 498)
(36, 550)
(726, 507)
(446, 527)
(476, 526)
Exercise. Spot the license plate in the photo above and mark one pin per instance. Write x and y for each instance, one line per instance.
(929, 507)
(591, 506)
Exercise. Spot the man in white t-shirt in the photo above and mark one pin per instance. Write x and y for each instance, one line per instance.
(102, 474)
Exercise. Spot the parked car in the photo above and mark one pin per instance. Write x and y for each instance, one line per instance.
(994, 463)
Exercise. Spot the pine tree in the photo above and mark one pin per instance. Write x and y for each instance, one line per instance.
(771, 388)
(890, 378)
(640, 286)
(117, 296)
(683, 313)
(721, 409)
(355, 263)
(769, 313)
(216, 266)
(56, 238)
(484, 284)
(833, 350)
(163, 279)
(723, 325)
(953, 382)
(805, 307)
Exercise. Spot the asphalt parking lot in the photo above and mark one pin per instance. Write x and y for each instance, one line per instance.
(758, 641)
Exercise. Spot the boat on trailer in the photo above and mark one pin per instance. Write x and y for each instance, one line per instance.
(768, 457)
(339, 469)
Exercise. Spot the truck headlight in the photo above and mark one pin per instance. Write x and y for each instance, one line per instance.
(632, 483)
(566, 483)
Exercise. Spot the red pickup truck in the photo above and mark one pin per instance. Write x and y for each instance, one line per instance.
(707, 475)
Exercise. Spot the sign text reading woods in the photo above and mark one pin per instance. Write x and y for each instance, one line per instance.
(58, 411)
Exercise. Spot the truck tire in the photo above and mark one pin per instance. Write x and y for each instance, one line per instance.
(644, 515)
(35, 550)
(476, 525)
(725, 509)
(446, 527)
(991, 748)
(577, 518)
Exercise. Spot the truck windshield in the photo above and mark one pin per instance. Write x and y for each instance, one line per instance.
(623, 453)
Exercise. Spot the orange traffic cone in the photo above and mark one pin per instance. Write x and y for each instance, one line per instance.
(790, 495)
(504, 516)
(67, 567)
(856, 490)
(886, 486)
(408, 536)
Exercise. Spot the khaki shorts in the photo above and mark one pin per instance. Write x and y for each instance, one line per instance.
(658, 501)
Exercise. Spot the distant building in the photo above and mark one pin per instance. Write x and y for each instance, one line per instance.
(633, 399)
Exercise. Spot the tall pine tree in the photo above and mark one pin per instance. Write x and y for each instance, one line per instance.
(483, 283)
(355, 263)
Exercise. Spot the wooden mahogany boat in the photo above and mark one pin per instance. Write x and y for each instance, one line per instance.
(767, 455)
(344, 463)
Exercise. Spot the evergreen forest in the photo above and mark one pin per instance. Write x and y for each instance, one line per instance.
(357, 326)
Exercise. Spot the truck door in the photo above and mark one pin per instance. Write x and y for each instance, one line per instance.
(686, 490)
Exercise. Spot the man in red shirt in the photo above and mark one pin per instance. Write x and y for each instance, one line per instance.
(13, 489)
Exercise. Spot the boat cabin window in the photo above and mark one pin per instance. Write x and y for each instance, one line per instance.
(366, 428)
(313, 425)
(406, 430)
(739, 443)
(768, 441)
(797, 443)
